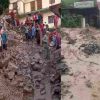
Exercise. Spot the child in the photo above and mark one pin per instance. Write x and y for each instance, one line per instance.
(37, 34)
(4, 39)
(33, 31)
(26, 31)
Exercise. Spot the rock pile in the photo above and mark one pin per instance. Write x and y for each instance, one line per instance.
(24, 68)
(91, 48)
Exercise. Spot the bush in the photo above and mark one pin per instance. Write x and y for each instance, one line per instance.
(71, 21)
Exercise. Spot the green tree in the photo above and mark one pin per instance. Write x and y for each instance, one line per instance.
(4, 4)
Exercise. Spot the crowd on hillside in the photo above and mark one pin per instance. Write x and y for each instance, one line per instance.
(33, 29)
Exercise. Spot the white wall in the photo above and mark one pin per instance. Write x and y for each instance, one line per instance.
(45, 3)
(20, 7)
(12, 1)
(98, 0)
(27, 8)
(10, 6)
(45, 19)
(27, 1)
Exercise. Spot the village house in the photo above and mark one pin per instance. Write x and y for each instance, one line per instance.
(31, 6)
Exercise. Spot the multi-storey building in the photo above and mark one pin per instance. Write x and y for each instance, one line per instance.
(31, 6)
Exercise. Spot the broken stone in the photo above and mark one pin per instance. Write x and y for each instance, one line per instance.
(14, 83)
(21, 84)
(36, 67)
(12, 66)
(28, 89)
(37, 56)
(41, 61)
(33, 63)
(71, 96)
(62, 68)
(4, 62)
(11, 75)
(91, 48)
(89, 84)
(43, 71)
(43, 91)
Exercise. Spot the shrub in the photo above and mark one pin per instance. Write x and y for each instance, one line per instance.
(71, 21)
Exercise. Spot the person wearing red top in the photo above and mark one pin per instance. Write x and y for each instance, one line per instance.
(17, 21)
(58, 38)
(27, 21)
(34, 17)
(12, 14)
(50, 37)
(42, 27)
(56, 18)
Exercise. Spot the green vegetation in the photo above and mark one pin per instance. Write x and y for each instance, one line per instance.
(4, 4)
(71, 21)
(67, 3)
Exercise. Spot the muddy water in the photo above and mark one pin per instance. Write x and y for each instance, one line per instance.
(83, 80)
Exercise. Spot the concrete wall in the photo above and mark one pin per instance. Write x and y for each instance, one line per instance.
(10, 6)
(27, 1)
(45, 19)
(20, 7)
(27, 8)
(45, 3)
(12, 1)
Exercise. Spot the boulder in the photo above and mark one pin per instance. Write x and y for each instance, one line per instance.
(36, 67)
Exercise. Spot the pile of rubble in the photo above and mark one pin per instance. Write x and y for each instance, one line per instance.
(24, 68)
(91, 48)
(91, 43)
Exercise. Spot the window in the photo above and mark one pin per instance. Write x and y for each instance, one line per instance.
(51, 19)
(39, 4)
(32, 6)
(51, 1)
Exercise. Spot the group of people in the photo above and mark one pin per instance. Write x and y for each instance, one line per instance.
(40, 32)
(33, 29)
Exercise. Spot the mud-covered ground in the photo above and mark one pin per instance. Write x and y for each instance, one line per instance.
(25, 74)
(81, 81)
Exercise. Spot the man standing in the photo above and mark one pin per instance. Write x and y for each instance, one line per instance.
(4, 39)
